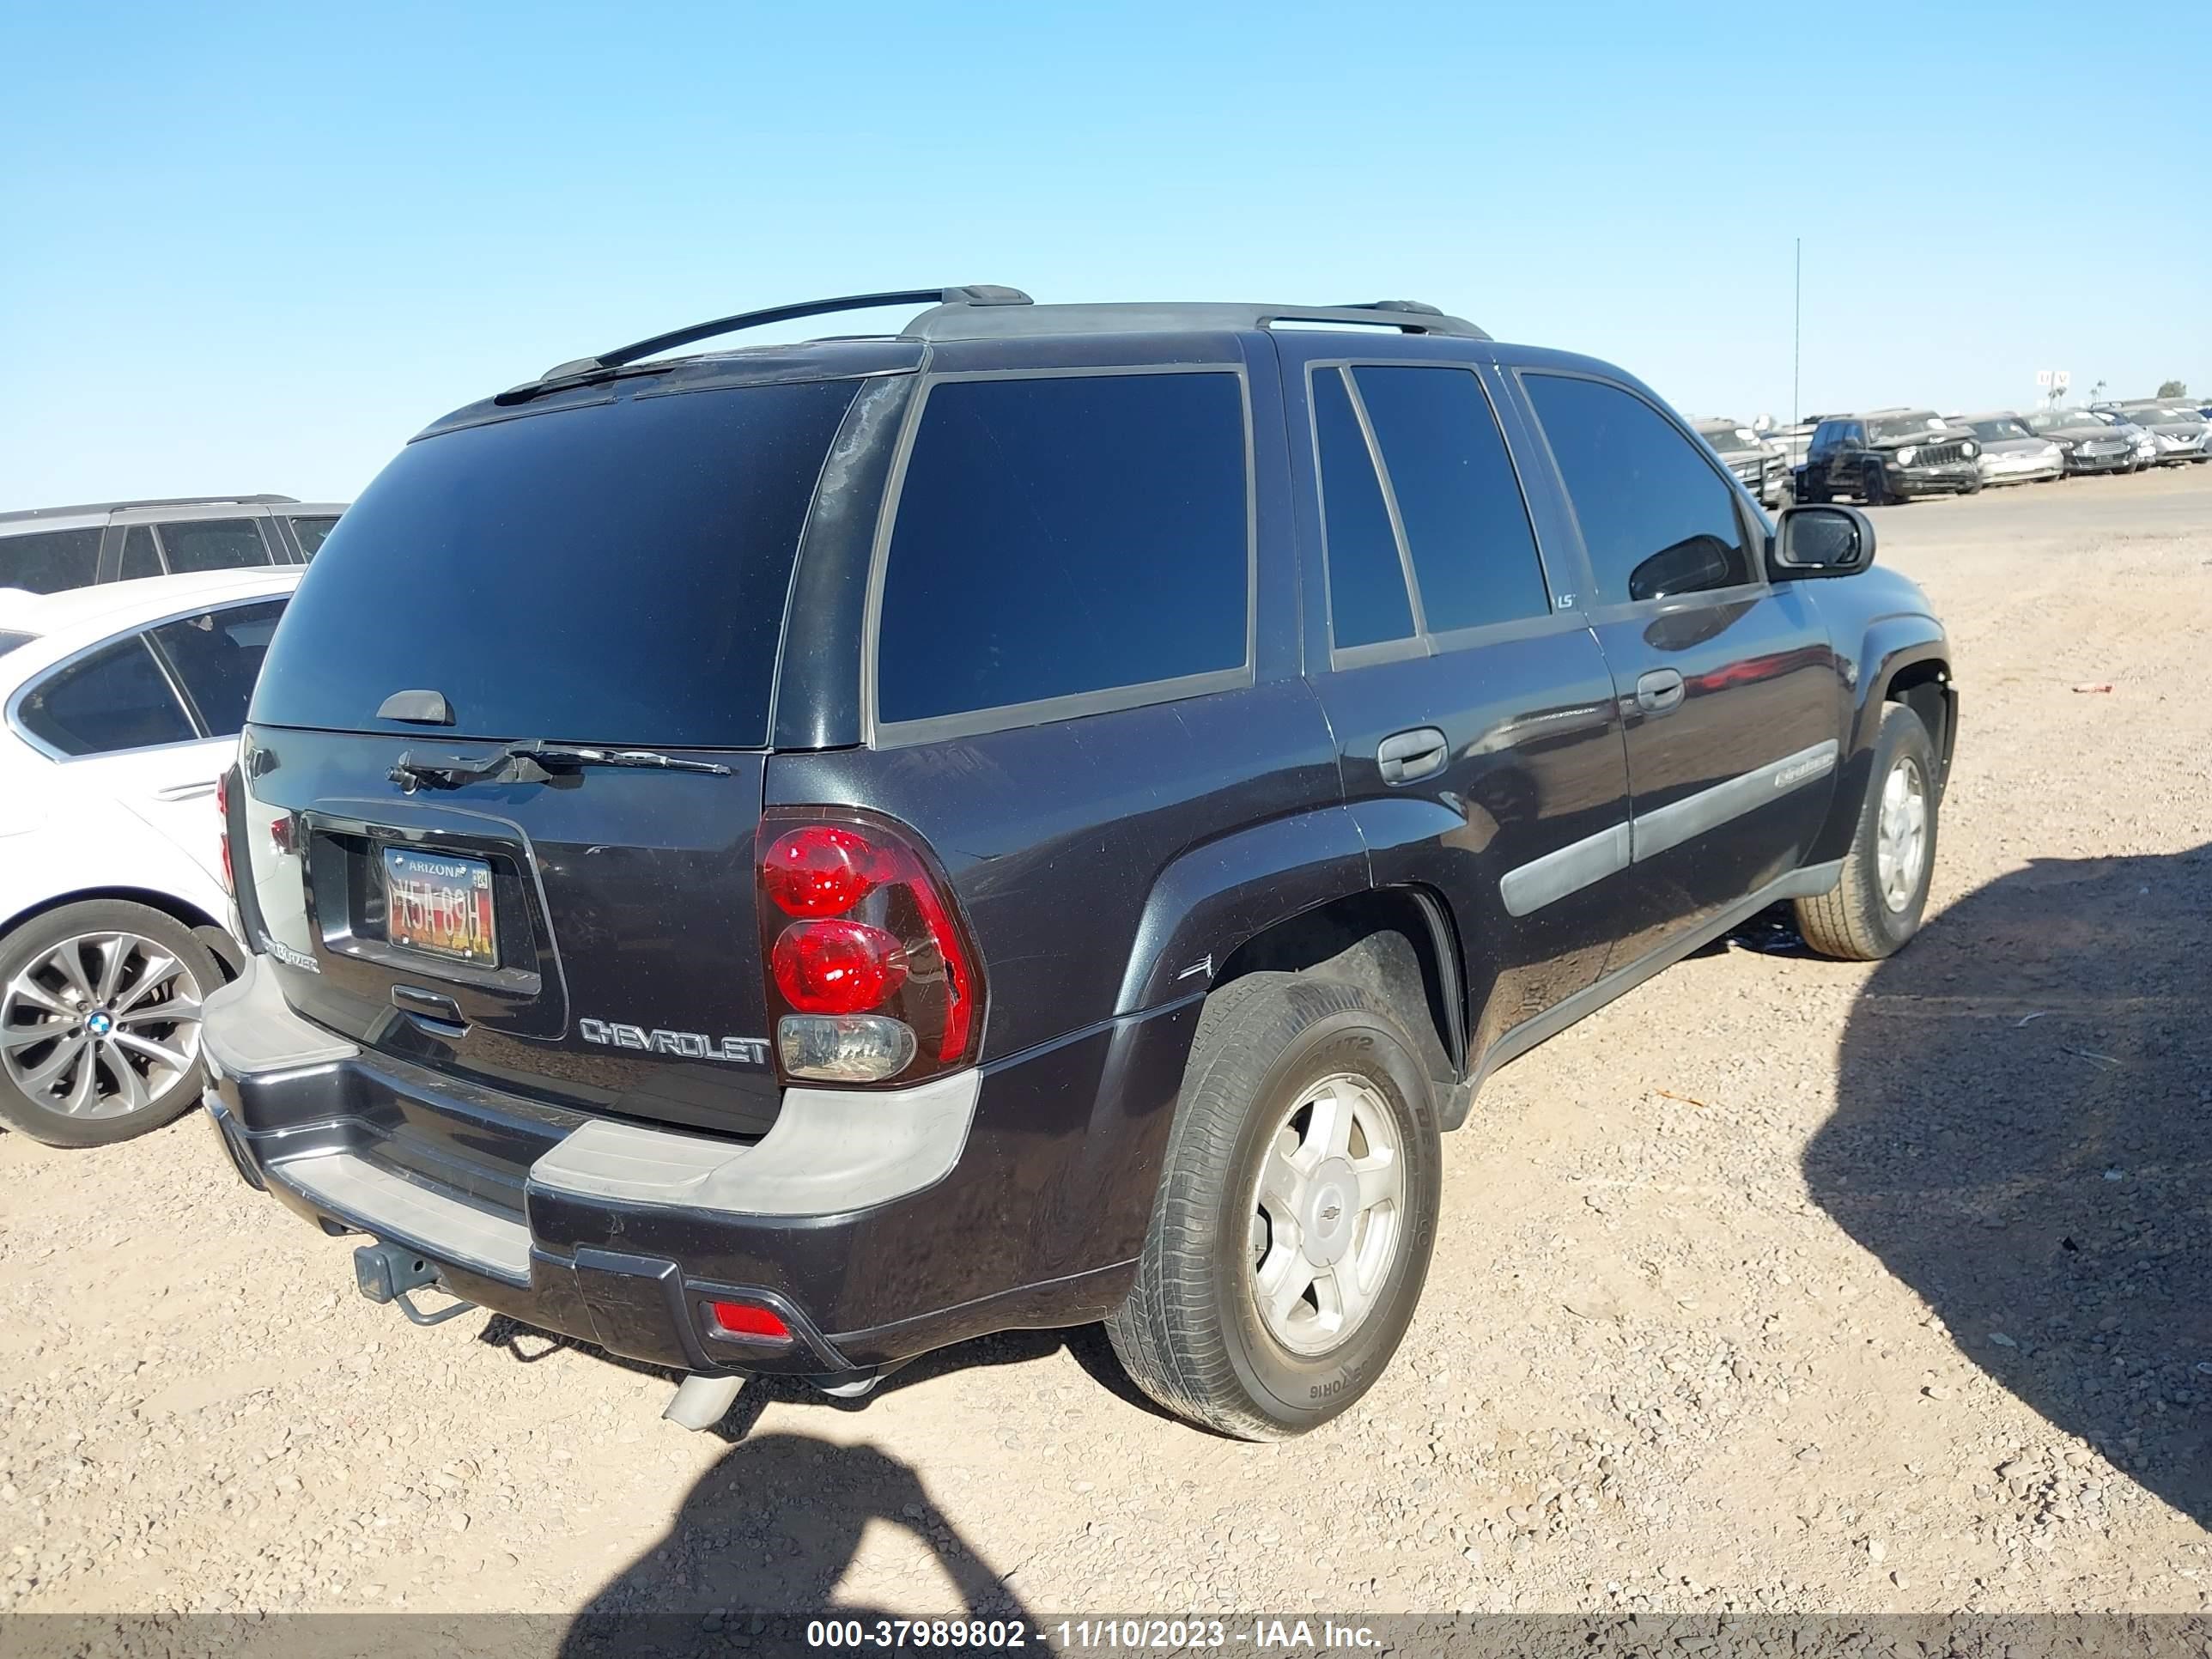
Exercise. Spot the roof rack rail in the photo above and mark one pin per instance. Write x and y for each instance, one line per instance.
(148, 500)
(584, 368)
(963, 322)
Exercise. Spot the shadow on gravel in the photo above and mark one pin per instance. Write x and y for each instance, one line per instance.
(770, 1530)
(2023, 1135)
(1086, 1345)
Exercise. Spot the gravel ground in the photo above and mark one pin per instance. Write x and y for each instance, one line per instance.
(1779, 1285)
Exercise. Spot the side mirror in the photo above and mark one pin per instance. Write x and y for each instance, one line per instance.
(1820, 541)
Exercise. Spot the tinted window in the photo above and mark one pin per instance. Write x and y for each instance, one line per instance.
(311, 533)
(49, 560)
(1063, 535)
(213, 544)
(10, 639)
(216, 655)
(1475, 556)
(116, 698)
(1367, 600)
(1656, 517)
(139, 556)
(614, 573)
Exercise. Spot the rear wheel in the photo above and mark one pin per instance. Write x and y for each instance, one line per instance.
(1873, 486)
(1878, 900)
(1297, 1208)
(1811, 490)
(99, 1022)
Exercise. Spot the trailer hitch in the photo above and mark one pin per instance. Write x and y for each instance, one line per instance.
(386, 1273)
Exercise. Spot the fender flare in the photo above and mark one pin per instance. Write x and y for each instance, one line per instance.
(1891, 644)
(1215, 896)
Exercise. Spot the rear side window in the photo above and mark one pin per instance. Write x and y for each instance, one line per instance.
(614, 573)
(117, 698)
(49, 561)
(311, 533)
(213, 544)
(139, 556)
(1473, 552)
(216, 656)
(1367, 599)
(1657, 517)
(1065, 534)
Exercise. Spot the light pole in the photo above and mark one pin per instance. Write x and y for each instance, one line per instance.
(1796, 325)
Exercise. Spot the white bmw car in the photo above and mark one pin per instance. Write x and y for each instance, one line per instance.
(120, 707)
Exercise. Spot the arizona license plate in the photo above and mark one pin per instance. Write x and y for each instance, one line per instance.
(440, 904)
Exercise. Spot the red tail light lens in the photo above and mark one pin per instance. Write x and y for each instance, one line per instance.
(223, 832)
(744, 1319)
(837, 967)
(872, 977)
(823, 870)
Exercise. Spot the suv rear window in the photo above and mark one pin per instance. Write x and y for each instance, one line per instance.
(49, 560)
(1064, 534)
(610, 574)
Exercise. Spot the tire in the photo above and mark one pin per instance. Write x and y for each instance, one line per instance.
(1973, 489)
(1277, 1055)
(1874, 487)
(1812, 492)
(144, 975)
(1862, 917)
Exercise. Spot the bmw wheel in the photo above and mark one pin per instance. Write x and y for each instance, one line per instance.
(99, 1022)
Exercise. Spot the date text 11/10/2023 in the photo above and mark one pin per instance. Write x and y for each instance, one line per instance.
(1092, 1634)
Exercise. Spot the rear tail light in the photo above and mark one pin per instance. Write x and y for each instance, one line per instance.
(223, 832)
(872, 977)
(745, 1319)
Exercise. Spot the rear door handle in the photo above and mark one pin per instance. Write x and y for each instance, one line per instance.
(1659, 691)
(1404, 757)
(186, 791)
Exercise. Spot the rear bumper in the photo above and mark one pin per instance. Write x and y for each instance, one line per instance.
(878, 1226)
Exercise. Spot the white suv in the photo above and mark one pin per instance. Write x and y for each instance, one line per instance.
(120, 705)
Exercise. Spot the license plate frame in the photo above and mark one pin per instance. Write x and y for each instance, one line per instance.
(441, 906)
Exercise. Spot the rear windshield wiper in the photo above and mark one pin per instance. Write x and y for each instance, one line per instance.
(535, 761)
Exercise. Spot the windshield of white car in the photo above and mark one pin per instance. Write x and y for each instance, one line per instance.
(1995, 430)
(1729, 437)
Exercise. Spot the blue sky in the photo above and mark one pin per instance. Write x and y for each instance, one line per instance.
(258, 248)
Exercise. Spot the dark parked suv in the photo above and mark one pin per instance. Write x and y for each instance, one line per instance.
(780, 861)
(1889, 455)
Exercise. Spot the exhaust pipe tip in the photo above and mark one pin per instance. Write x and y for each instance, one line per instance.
(701, 1401)
(849, 1385)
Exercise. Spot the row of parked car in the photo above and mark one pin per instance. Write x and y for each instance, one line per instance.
(1887, 455)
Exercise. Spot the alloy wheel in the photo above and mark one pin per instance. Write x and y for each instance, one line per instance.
(1326, 1216)
(101, 1025)
(1901, 842)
